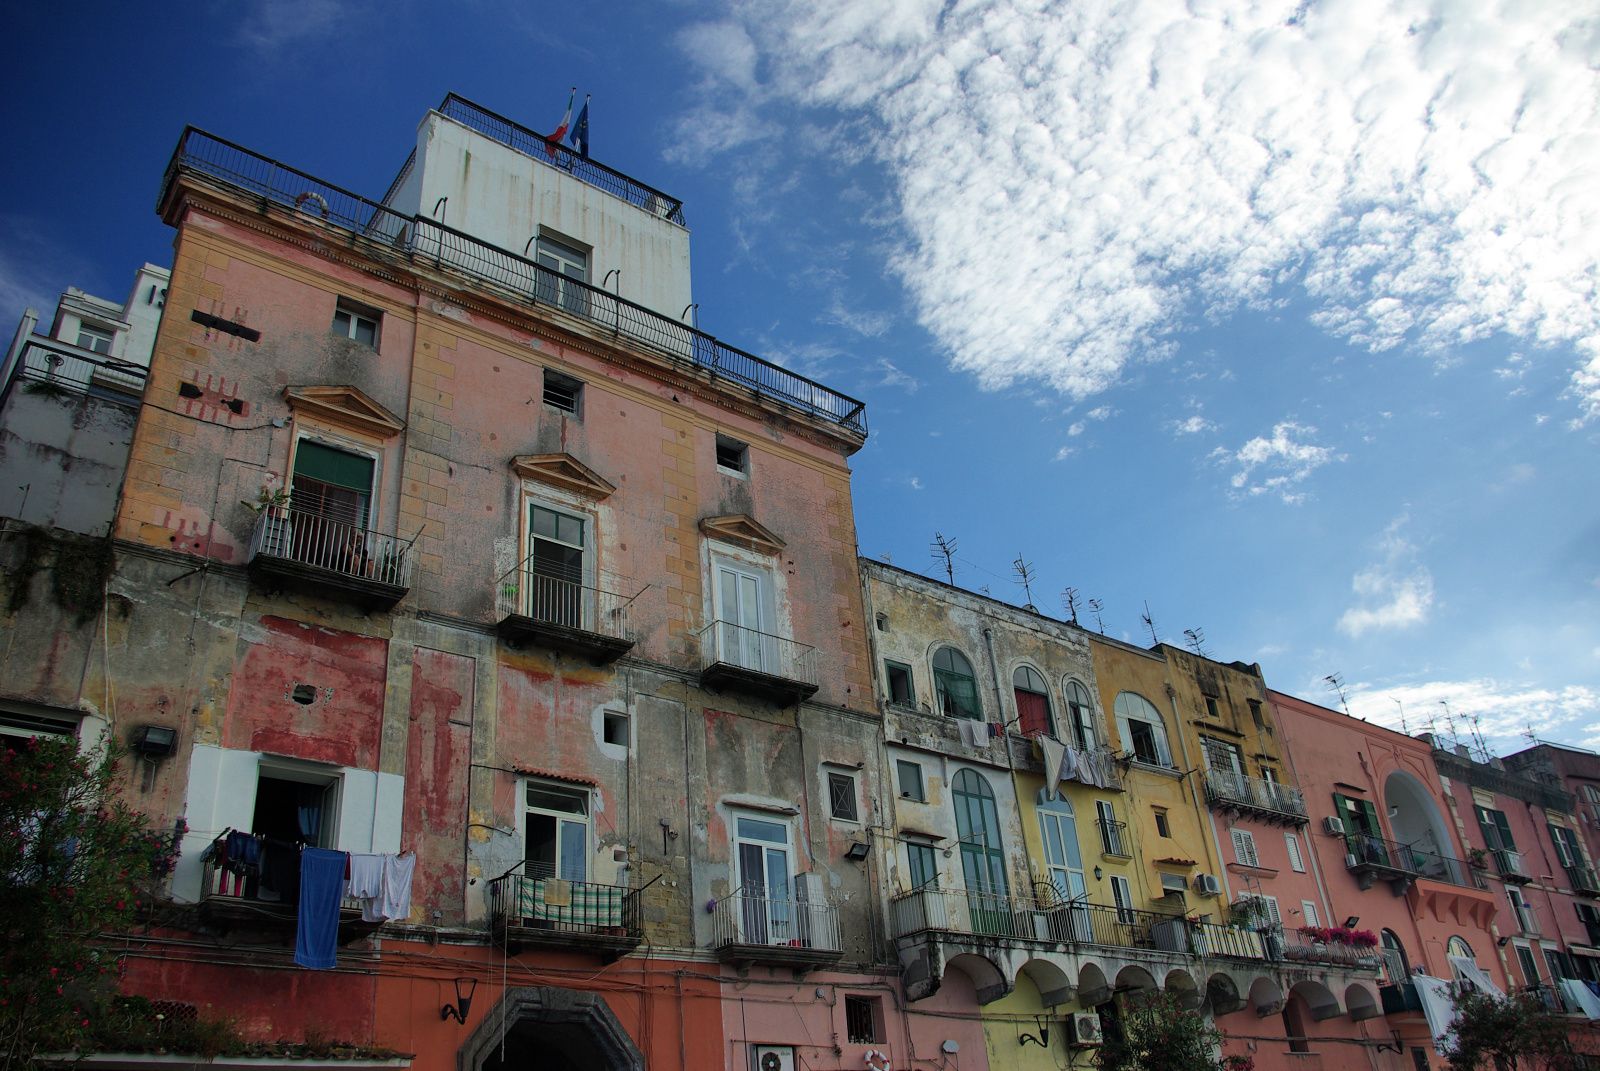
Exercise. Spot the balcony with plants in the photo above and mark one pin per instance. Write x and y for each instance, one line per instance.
(322, 553)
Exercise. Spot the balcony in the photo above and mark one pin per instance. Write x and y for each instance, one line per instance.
(1296, 947)
(1509, 865)
(529, 906)
(566, 616)
(52, 367)
(231, 899)
(1372, 858)
(1269, 800)
(1114, 842)
(1582, 880)
(319, 555)
(420, 241)
(1400, 998)
(802, 934)
(736, 658)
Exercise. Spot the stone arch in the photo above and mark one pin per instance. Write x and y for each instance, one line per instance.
(1054, 984)
(1361, 1002)
(988, 980)
(1093, 988)
(1319, 999)
(1133, 978)
(1266, 996)
(1416, 820)
(1222, 994)
(1181, 984)
(561, 1028)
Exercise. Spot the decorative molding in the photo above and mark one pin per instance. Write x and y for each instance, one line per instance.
(743, 530)
(345, 407)
(563, 470)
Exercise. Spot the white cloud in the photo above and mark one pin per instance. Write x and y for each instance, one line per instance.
(1065, 452)
(269, 25)
(1425, 173)
(1193, 425)
(1101, 412)
(866, 324)
(890, 376)
(1394, 593)
(1276, 464)
(915, 483)
(1076, 429)
(1504, 709)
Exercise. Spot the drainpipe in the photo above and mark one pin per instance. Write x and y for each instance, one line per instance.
(1005, 739)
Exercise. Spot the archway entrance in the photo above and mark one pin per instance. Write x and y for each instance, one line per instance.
(551, 1029)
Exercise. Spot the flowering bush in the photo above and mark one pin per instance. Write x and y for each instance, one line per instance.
(1340, 935)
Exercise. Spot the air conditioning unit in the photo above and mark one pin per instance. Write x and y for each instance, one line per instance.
(771, 1058)
(1333, 825)
(1083, 1029)
(1207, 885)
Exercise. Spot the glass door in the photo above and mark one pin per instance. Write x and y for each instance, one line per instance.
(766, 915)
(1065, 867)
(739, 617)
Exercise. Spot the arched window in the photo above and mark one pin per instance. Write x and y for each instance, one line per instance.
(1033, 703)
(1058, 831)
(1458, 947)
(1395, 964)
(955, 685)
(1080, 715)
(1143, 732)
(983, 859)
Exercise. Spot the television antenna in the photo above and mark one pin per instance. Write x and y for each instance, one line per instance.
(1025, 577)
(1069, 603)
(945, 550)
(1149, 623)
(1095, 606)
(1335, 681)
(1197, 639)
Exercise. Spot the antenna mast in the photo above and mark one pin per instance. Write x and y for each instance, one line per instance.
(1336, 682)
(1069, 603)
(1197, 639)
(1149, 623)
(944, 550)
(1025, 577)
(1095, 606)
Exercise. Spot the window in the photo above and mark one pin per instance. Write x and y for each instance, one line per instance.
(767, 913)
(567, 268)
(744, 627)
(1244, 848)
(1590, 917)
(1080, 712)
(733, 456)
(359, 322)
(296, 805)
(1297, 862)
(557, 562)
(909, 775)
(842, 797)
(983, 860)
(1033, 703)
(863, 1019)
(1063, 862)
(1457, 946)
(563, 392)
(955, 685)
(1529, 965)
(1224, 758)
(1566, 843)
(1113, 834)
(1591, 793)
(329, 510)
(1260, 911)
(1522, 911)
(1255, 713)
(94, 338)
(922, 863)
(615, 728)
(1163, 828)
(1211, 707)
(1122, 897)
(1143, 732)
(556, 832)
(898, 677)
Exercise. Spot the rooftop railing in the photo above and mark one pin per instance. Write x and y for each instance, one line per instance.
(1224, 787)
(50, 365)
(419, 239)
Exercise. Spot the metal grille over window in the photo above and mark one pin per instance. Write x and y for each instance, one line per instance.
(842, 796)
(861, 1020)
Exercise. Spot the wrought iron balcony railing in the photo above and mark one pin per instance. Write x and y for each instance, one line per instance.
(1509, 865)
(1582, 880)
(49, 365)
(1296, 947)
(1226, 789)
(315, 548)
(1056, 921)
(420, 240)
(1369, 855)
(1114, 840)
(756, 927)
(539, 906)
(562, 613)
(751, 659)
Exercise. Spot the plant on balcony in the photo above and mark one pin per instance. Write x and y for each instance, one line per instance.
(266, 498)
(1516, 1033)
(1478, 858)
(1154, 1032)
(75, 862)
(1340, 935)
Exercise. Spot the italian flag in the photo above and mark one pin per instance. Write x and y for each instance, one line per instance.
(554, 139)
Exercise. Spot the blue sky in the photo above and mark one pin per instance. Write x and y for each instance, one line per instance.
(1280, 317)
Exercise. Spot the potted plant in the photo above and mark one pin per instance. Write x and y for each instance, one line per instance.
(273, 502)
(1478, 858)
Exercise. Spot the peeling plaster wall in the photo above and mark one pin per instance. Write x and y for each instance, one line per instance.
(62, 458)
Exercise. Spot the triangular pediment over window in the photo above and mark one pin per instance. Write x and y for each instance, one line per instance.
(344, 407)
(563, 470)
(744, 530)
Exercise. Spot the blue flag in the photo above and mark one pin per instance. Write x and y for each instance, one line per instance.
(580, 131)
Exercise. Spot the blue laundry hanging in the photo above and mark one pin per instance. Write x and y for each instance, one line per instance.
(316, 935)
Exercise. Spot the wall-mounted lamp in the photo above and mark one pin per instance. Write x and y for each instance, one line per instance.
(1043, 1040)
(1502, 942)
(857, 851)
(458, 1011)
(1350, 923)
(1098, 873)
(1394, 811)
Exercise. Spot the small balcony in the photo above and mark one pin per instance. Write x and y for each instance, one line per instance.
(241, 892)
(1114, 840)
(736, 658)
(1582, 880)
(532, 907)
(1509, 865)
(1296, 947)
(802, 934)
(1269, 800)
(1372, 858)
(564, 615)
(1400, 998)
(321, 555)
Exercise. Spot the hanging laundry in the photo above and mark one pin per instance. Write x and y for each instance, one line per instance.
(366, 884)
(1068, 768)
(397, 872)
(322, 884)
(1051, 751)
(1578, 996)
(1438, 1008)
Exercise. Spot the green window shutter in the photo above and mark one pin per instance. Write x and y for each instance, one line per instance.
(337, 467)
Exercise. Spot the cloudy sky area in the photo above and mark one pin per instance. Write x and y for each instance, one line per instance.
(1279, 318)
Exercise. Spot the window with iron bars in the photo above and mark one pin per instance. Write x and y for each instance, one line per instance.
(842, 796)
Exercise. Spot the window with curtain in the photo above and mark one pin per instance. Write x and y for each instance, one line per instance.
(1033, 703)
